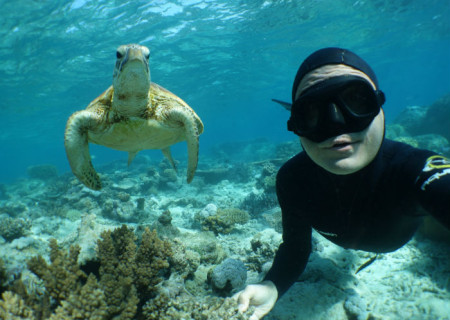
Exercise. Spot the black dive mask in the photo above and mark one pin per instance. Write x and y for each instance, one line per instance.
(335, 106)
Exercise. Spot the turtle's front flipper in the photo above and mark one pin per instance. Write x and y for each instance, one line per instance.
(77, 148)
(191, 129)
(166, 152)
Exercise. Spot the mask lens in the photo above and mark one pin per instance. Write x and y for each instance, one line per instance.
(359, 99)
(308, 115)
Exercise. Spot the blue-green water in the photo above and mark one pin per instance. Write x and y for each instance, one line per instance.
(225, 58)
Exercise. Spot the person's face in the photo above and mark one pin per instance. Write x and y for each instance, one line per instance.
(349, 152)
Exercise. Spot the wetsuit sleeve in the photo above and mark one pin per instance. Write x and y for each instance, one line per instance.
(433, 184)
(292, 255)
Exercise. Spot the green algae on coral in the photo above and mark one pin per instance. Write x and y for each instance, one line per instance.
(224, 220)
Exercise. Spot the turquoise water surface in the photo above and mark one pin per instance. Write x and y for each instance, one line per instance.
(227, 59)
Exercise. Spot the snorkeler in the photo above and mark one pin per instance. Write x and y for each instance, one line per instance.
(356, 188)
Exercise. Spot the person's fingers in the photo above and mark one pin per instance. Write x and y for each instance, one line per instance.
(260, 312)
(236, 295)
(253, 317)
(243, 301)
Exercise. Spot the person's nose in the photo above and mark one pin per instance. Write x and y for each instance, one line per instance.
(334, 114)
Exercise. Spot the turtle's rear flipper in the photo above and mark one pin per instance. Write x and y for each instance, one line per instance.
(166, 152)
(77, 148)
(131, 156)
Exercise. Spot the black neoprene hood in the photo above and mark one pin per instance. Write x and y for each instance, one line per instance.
(332, 55)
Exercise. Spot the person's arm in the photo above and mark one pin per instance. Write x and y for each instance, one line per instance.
(292, 255)
(433, 185)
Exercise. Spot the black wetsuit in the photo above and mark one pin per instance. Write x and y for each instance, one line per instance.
(376, 209)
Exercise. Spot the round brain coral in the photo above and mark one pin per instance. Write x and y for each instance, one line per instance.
(229, 275)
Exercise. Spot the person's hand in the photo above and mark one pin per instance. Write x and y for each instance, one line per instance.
(262, 296)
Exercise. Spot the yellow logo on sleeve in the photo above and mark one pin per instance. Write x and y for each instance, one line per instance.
(436, 162)
(440, 165)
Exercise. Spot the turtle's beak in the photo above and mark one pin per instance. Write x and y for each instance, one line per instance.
(133, 53)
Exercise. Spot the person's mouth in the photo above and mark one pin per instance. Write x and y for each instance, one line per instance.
(340, 143)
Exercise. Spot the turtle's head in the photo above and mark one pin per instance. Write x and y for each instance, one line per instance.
(131, 78)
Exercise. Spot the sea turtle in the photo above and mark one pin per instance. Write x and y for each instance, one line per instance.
(132, 115)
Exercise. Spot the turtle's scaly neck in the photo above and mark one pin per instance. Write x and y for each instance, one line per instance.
(132, 102)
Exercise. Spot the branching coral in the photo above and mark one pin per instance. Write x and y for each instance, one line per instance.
(129, 274)
(87, 303)
(63, 276)
(126, 279)
(13, 307)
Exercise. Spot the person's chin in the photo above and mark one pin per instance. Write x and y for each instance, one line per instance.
(343, 166)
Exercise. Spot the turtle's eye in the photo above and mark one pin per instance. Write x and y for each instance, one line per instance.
(147, 55)
(119, 55)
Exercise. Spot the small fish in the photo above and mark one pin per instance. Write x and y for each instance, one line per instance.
(285, 105)
(366, 264)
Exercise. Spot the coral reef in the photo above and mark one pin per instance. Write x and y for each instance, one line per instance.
(268, 176)
(264, 245)
(411, 119)
(214, 175)
(230, 275)
(256, 203)
(225, 220)
(273, 219)
(205, 244)
(288, 149)
(125, 285)
(209, 210)
(186, 307)
(122, 210)
(3, 276)
(13, 228)
(13, 307)
(126, 278)
(130, 273)
(3, 191)
(412, 141)
(164, 227)
(418, 120)
(63, 276)
(123, 196)
(140, 203)
(433, 142)
(13, 208)
(183, 260)
(86, 237)
(438, 111)
(108, 281)
(42, 172)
